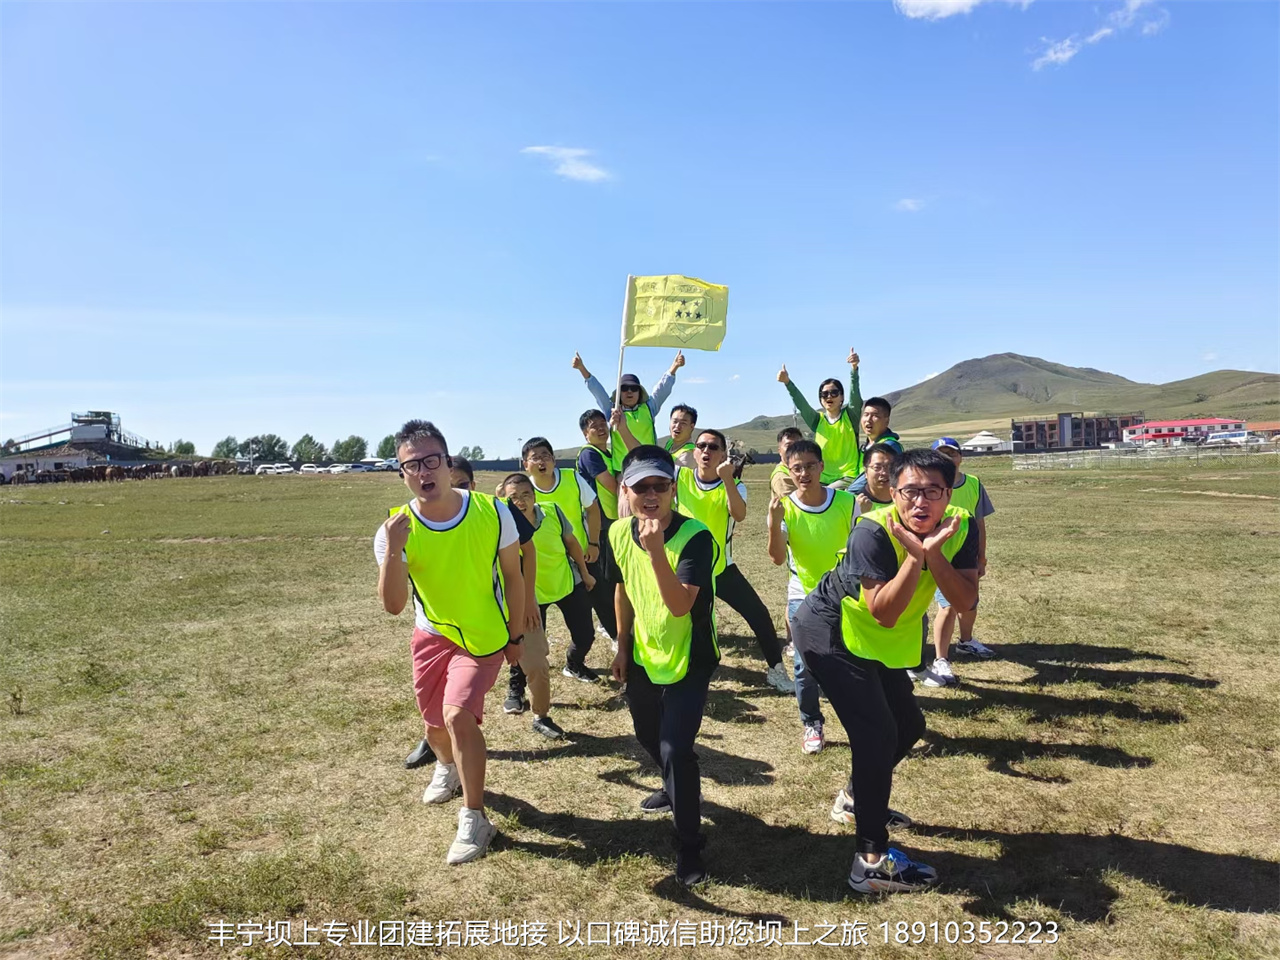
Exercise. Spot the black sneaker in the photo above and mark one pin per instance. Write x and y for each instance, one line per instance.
(656, 802)
(580, 671)
(421, 756)
(895, 873)
(515, 702)
(690, 870)
(548, 728)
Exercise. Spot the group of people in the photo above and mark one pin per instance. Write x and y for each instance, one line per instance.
(641, 535)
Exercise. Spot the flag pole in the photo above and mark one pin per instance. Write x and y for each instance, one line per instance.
(627, 302)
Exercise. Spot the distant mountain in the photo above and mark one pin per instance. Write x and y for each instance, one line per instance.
(986, 393)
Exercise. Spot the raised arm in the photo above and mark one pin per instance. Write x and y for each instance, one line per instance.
(597, 391)
(807, 413)
(777, 536)
(854, 406)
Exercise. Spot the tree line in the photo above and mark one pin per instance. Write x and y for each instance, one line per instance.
(271, 447)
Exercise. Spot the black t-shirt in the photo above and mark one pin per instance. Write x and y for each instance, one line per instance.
(590, 465)
(697, 560)
(869, 553)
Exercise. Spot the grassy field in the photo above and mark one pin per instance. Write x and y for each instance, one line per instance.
(207, 713)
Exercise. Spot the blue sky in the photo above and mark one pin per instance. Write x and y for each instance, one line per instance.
(239, 218)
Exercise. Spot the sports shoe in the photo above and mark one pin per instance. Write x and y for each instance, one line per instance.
(515, 702)
(975, 648)
(580, 671)
(421, 756)
(656, 802)
(776, 677)
(814, 741)
(474, 833)
(940, 674)
(445, 782)
(690, 870)
(842, 812)
(917, 675)
(894, 873)
(548, 728)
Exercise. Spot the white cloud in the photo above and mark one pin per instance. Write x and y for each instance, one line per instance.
(571, 164)
(908, 205)
(696, 380)
(1151, 27)
(928, 376)
(940, 9)
(1100, 34)
(1210, 356)
(735, 377)
(1056, 52)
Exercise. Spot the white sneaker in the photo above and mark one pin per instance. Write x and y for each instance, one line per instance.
(917, 675)
(814, 741)
(602, 633)
(474, 833)
(940, 674)
(776, 677)
(445, 782)
(975, 648)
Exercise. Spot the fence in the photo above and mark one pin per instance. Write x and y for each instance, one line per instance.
(1245, 455)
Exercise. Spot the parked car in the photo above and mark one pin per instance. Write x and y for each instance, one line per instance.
(391, 463)
(340, 468)
(265, 469)
(308, 468)
(359, 468)
(284, 468)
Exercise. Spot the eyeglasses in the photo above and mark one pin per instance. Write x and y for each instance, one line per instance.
(657, 486)
(430, 462)
(627, 388)
(803, 466)
(712, 447)
(830, 394)
(915, 493)
(540, 457)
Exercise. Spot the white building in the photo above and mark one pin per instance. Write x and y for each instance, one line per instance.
(63, 457)
(985, 442)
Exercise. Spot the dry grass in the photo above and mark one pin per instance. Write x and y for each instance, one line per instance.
(207, 712)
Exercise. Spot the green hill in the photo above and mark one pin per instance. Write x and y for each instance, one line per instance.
(986, 393)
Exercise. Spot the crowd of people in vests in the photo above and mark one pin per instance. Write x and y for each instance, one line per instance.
(639, 539)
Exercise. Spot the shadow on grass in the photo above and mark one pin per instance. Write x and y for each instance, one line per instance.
(1076, 663)
(1001, 753)
(1068, 872)
(716, 765)
(1042, 707)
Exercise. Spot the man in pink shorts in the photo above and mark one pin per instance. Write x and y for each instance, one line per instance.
(457, 553)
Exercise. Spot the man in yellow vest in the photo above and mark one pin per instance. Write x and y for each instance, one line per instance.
(969, 493)
(640, 408)
(456, 553)
(598, 466)
(859, 630)
(781, 482)
(711, 494)
(667, 648)
(680, 444)
(835, 428)
(567, 490)
(808, 529)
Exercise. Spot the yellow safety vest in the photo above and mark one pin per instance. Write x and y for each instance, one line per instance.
(816, 541)
(711, 507)
(457, 579)
(555, 573)
(565, 494)
(839, 442)
(661, 642)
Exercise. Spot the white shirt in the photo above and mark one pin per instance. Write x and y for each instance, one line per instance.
(506, 536)
(728, 537)
(795, 591)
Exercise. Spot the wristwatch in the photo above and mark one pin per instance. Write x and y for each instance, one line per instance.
(515, 640)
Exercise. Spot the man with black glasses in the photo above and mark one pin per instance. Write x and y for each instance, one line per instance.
(710, 494)
(859, 652)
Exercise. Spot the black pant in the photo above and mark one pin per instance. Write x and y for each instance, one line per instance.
(602, 594)
(666, 718)
(735, 590)
(878, 709)
(575, 607)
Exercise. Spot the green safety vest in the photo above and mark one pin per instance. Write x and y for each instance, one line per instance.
(711, 508)
(640, 422)
(564, 494)
(816, 541)
(965, 496)
(661, 642)
(779, 469)
(456, 578)
(839, 442)
(899, 645)
(555, 573)
(608, 500)
(687, 445)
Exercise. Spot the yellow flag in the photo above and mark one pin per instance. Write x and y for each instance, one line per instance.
(675, 311)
